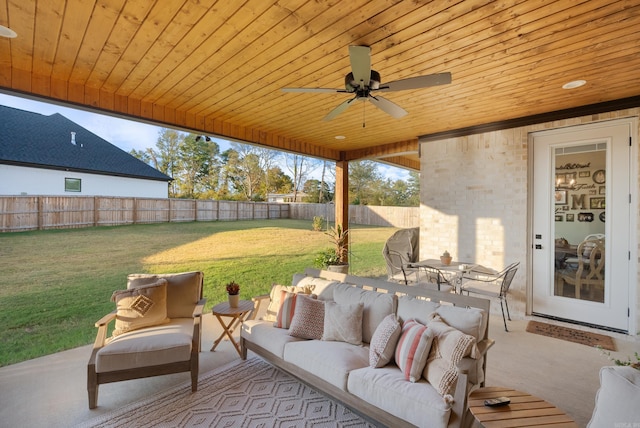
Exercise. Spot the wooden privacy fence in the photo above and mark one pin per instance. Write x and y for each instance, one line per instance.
(18, 213)
(21, 213)
(403, 217)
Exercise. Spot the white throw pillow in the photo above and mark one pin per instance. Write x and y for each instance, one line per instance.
(343, 322)
(617, 399)
(449, 347)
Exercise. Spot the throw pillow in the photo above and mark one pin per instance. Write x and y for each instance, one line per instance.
(140, 307)
(287, 308)
(343, 322)
(449, 347)
(413, 349)
(308, 319)
(384, 340)
(274, 299)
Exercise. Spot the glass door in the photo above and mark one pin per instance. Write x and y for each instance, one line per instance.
(581, 224)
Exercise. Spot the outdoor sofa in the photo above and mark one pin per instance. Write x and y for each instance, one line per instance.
(336, 333)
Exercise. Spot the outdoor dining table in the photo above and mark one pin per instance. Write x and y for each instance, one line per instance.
(456, 269)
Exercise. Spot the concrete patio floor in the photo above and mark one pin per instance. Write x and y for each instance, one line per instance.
(51, 391)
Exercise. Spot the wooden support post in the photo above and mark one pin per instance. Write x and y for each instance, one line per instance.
(341, 197)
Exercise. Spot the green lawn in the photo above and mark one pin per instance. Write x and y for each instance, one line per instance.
(56, 284)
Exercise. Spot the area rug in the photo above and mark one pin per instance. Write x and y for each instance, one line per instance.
(250, 393)
(571, 335)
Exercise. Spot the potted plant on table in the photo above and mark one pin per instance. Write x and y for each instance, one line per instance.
(335, 259)
(233, 289)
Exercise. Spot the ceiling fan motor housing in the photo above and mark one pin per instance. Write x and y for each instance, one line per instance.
(351, 85)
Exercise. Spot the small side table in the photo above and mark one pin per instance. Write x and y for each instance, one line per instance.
(524, 410)
(237, 317)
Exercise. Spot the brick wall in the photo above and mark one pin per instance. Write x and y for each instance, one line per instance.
(474, 199)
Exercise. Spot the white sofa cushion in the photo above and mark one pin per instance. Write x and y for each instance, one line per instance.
(471, 321)
(265, 335)
(386, 388)
(417, 309)
(323, 288)
(162, 344)
(376, 306)
(330, 361)
(618, 398)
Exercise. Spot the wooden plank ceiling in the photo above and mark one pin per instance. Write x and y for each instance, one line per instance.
(217, 67)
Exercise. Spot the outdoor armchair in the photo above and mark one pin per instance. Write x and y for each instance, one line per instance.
(157, 331)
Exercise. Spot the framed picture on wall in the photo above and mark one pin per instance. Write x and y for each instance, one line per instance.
(602, 190)
(559, 217)
(582, 174)
(596, 203)
(570, 217)
(561, 197)
(599, 176)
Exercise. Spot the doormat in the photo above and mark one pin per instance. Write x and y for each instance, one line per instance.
(571, 335)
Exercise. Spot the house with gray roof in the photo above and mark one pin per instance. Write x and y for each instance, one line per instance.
(52, 155)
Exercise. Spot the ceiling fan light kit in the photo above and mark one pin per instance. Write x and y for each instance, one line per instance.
(362, 81)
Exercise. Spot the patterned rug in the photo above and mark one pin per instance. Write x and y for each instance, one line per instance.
(250, 393)
(571, 335)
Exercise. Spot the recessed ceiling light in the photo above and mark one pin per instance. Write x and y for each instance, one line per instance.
(7, 32)
(574, 84)
(340, 137)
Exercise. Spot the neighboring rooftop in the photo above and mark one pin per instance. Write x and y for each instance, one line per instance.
(55, 142)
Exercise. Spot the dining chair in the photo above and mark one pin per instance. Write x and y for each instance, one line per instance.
(590, 270)
(398, 269)
(491, 285)
(432, 277)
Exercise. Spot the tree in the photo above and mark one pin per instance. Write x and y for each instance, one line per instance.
(364, 178)
(317, 191)
(199, 165)
(300, 167)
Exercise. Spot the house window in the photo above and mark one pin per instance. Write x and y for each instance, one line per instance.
(72, 185)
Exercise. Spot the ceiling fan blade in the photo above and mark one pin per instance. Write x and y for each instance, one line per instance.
(360, 57)
(312, 90)
(336, 111)
(417, 82)
(387, 106)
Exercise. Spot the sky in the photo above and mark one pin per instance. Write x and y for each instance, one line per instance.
(129, 134)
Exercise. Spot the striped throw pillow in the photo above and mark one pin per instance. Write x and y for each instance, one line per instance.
(286, 310)
(413, 349)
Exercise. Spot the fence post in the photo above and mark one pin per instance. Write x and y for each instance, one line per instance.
(40, 213)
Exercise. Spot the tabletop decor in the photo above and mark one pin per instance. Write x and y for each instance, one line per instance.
(445, 258)
(233, 289)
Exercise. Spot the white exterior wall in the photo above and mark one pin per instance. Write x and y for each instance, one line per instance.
(474, 201)
(17, 180)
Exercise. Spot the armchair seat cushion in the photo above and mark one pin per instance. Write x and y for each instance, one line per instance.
(163, 344)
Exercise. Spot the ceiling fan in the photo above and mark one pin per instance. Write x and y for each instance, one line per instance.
(363, 82)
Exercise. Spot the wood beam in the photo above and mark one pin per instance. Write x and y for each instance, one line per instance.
(341, 199)
(384, 150)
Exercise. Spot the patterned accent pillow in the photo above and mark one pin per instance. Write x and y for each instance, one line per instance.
(140, 307)
(287, 308)
(343, 322)
(450, 346)
(413, 349)
(308, 319)
(274, 299)
(384, 341)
